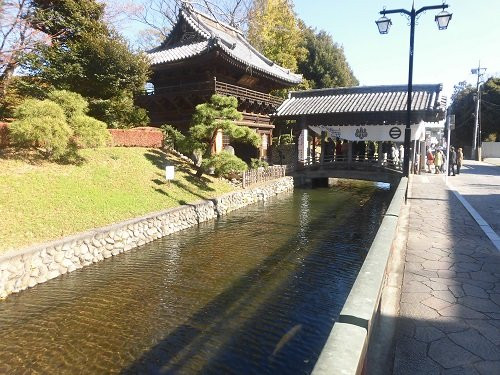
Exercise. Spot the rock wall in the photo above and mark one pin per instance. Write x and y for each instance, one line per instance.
(23, 269)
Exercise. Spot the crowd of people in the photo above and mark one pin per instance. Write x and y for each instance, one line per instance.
(393, 154)
(437, 158)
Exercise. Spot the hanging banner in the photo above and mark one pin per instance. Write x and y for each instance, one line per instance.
(303, 145)
(394, 133)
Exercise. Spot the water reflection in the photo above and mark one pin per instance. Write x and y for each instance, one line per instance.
(255, 292)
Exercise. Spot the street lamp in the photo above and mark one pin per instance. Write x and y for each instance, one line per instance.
(442, 19)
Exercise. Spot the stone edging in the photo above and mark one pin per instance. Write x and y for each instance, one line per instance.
(345, 350)
(33, 265)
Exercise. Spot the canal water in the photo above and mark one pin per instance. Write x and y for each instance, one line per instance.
(255, 292)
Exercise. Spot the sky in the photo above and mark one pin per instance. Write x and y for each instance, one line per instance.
(440, 56)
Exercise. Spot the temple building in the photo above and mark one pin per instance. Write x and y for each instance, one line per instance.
(201, 57)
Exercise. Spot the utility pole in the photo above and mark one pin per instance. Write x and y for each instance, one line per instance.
(476, 150)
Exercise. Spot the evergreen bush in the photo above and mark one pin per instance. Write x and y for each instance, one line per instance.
(119, 112)
(173, 138)
(258, 163)
(89, 132)
(72, 103)
(41, 123)
(224, 164)
(59, 125)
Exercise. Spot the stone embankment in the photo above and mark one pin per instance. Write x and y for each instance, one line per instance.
(26, 268)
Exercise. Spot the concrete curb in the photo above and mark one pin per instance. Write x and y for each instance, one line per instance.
(345, 349)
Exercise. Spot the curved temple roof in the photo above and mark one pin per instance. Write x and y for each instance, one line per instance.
(365, 104)
(215, 34)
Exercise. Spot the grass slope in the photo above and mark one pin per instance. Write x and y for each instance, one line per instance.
(41, 201)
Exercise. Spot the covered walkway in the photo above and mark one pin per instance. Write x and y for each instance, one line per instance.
(334, 124)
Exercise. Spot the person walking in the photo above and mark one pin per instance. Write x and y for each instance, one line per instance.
(430, 160)
(452, 161)
(401, 155)
(443, 163)
(438, 161)
(338, 150)
(394, 156)
(460, 159)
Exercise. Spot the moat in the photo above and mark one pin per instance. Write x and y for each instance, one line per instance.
(256, 291)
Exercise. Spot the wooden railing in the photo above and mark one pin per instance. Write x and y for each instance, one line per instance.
(247, 94)
(205, 86)
(254, 176)
(217, 87)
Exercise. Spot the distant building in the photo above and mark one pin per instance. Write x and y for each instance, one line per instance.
(202, 57)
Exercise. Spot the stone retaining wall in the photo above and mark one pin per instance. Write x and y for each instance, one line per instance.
(23, 269)
(345, 350)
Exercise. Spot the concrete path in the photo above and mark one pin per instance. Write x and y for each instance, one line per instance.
(449, 319)
(479, 184)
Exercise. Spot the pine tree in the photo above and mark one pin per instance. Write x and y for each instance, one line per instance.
(218, 115)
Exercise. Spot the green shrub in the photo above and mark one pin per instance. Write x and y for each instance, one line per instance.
(119, 112)
(73, 104)
(89, 132)
(225, 164)
(58, 126)
(257, 163)
(172, 137)
(41, 123)
(286, 139)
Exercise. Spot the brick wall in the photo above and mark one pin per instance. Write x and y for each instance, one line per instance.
(137, 137)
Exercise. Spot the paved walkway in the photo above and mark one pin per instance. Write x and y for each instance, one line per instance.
(449, 321)
(479, 184)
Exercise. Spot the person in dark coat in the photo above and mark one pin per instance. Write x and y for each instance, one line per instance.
(452, 161)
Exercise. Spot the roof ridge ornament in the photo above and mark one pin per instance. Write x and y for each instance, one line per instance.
(186, 5)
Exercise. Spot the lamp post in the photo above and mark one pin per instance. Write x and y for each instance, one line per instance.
(442, 19)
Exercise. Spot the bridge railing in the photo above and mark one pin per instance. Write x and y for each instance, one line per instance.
(342, 161)
(255, 176)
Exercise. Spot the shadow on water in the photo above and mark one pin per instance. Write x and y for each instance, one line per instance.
(240, 316)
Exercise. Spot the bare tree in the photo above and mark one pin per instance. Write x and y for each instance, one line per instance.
(17, 37)
(232, 12)
(159, 16)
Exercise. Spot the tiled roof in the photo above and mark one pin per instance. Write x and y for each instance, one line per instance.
(178, 53)
(378, 100)
(225, 37)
